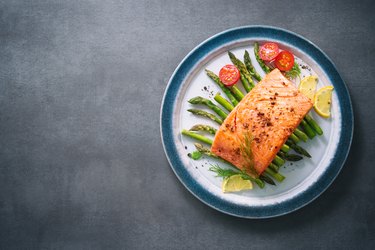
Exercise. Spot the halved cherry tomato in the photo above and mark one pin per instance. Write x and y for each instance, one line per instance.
(268, 51)
(229, 75)
(284, 60)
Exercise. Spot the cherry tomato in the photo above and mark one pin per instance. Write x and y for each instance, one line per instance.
(268, 51)
(284, 60)
(229, 75)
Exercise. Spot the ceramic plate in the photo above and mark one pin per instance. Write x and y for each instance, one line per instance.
(306, 179)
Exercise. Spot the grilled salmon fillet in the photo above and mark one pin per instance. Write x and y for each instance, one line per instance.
(260, 124)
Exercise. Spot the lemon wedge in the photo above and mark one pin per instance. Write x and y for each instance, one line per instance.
(235, 183)
(322, 101)
(308, 85)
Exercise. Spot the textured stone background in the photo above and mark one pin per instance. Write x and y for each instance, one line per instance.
(81, 160)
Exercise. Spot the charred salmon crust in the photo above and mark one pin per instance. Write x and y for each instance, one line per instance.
(259, 125)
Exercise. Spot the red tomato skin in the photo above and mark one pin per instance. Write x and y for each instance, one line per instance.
(284, 60)
(229, 75)
(269, 51)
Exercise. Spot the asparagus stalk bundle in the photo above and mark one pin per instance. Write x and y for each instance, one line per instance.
(210, 104)
(246, 79)
(203, 101)
(272, 170)
(259, 60)
(248, 72)
(259, 181)
(250, 67)
(283, 153)
(234, 94)
(274, 166)
(206, 114)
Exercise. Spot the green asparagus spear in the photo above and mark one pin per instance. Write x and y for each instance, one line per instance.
(294, 138)
(208, 103)
(202, 127)
(313, 124)
(248, 81)
(196, 136)
(285, 148)
(301, 135)
(298, 148)
(245, 83)
(267, 179)
(279, 177)
(308, 130)
(250, 67)
(237, 93)
(206, 114)
(259, 60)
(274, 167)
(223, 102)
(278, 161)
(290, 157)
(204, 150)
(293, 157)
(216, 79)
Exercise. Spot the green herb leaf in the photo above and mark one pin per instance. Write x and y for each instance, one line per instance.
(221, 172)
(247, 153)
(294, 72)
(226, 173)
(195, 155)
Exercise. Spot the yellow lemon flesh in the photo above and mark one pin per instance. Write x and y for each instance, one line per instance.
(235, 183)
(322, 101)
(308, 86)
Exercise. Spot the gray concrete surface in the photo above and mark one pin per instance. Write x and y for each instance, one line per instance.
(81, 161)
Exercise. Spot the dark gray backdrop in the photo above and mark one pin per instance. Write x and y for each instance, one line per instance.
(81, 160)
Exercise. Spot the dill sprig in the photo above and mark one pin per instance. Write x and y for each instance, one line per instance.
(294, 72)
(247, 153)
(195, 155)
(226, 172)
(223, 172)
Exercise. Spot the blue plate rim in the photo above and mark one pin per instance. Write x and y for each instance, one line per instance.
(214, 42)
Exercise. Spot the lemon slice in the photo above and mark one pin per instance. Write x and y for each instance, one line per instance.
(235, 183)
(322, 101)
(308, 86)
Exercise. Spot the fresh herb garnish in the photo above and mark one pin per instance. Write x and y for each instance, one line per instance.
(294, 72)
(226, 173)
(247, 153)
(195, 155)
(221, 172)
